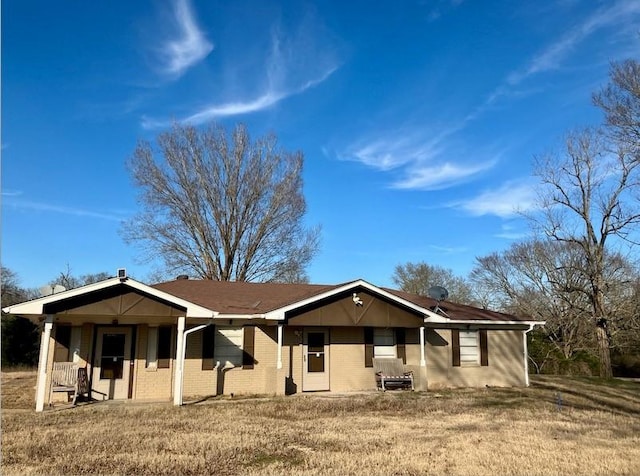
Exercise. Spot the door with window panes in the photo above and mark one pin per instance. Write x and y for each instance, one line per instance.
(112, 361)
(315, 360)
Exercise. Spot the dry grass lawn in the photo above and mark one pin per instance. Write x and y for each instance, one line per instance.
(469, 432)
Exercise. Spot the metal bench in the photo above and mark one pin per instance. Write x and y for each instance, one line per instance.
(390, 373)
(70, 378)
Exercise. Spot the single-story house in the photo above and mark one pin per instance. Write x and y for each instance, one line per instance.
(199, 338)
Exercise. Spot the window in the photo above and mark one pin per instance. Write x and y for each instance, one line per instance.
(469, 350)
(63, 343)
(164, 346)
(469, 347)
(383, 343)
(112, 361)
(159, 346)
(234, 345)
(228, 346)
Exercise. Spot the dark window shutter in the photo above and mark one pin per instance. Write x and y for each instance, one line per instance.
(63, 342)
(455, 347)
(208, 340)
(400, 344)
(248, 345)
(368, 346)
(484, 356)
(164, 346)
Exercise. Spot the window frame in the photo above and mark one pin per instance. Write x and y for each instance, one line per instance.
(381, 347)
(237, 357)
(470, 348)
(481, 345)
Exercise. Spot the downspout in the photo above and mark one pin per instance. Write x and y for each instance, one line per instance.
(279, 356)
(181, 357)
(526, 354)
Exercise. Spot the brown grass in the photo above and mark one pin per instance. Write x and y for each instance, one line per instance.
(483, 432)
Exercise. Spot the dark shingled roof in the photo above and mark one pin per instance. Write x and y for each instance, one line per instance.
(229, 297)
(460, 312)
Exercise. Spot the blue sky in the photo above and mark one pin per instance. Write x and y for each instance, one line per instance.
(419, 120)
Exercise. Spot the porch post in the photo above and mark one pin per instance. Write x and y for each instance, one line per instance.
(41, 386)
(177, 375)
(423, 362)
(279, 361)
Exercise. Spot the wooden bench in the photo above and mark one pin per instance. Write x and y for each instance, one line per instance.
(70, 378)
(390, 373)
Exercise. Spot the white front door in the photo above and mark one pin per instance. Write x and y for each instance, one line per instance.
(315, 360)
(111, 369)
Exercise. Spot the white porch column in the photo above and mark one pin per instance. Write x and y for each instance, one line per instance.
(41, 386)
(423, 361)
(177, 375)
(279, 361)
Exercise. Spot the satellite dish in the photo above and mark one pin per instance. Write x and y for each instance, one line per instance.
(438, 293)
(48, 290)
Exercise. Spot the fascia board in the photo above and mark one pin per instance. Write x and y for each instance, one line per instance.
(487, 322)
(239, 316)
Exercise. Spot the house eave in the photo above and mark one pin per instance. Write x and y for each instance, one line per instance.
(36, 307)
(480, 322)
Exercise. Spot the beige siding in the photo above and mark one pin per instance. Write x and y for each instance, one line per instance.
(506, 363)
(347, 371)
(261, 379)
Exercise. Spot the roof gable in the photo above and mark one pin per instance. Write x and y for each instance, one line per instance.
(108, 288)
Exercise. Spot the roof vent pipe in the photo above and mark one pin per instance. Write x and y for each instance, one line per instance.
(182, 277)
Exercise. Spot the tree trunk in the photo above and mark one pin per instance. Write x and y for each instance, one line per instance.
(603, 349)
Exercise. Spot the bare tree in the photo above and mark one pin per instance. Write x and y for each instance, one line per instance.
(219, 206)
(620, 101)
(69, 281)
(542, 280)
(590, 193)
(417, 278)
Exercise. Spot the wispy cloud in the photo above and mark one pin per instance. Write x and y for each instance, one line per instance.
(189, 46)
(439, 176)
(423, 159)
(552, 57)
(506, 201)
(393, 150)
(449, 250)
(294, 64)
(266, 100)
(509, 232)
(74, 211)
